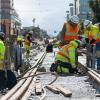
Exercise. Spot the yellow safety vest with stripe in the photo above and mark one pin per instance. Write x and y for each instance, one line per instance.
(67, 54)
(91, 33)
(2, 54)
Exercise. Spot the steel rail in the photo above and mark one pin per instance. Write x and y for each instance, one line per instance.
(95, 75)
(23, 84)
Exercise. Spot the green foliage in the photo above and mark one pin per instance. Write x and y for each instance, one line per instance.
(91, 4)
(37, 32)
(95, 6)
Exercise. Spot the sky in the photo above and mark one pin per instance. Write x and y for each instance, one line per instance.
(49, 14)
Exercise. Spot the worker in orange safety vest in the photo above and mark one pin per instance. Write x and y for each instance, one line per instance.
(70, 30)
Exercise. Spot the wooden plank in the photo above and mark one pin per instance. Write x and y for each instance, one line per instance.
(16, 87)
(23, 88)
(64, 91)
(38, 87)
(53, 89)
(28, 92)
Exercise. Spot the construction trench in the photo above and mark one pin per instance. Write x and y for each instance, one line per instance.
(72, 87)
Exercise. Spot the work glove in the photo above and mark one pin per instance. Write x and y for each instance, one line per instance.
(92, 41)
(80, 37)
(53, 67)
(87, 40)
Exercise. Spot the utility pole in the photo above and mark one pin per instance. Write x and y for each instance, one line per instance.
(75, 6)
(33, 21)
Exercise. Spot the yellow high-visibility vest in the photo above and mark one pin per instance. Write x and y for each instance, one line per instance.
(2, 54)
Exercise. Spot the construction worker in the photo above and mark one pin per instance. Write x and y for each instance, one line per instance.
(98, 47)
(20, 40)
(27, 42)
(91, 33)
(65, 59)
(2, 54)
(70, 30)
(18, 53)
(7, 77)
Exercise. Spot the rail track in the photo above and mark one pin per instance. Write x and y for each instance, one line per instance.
(19, 90)
(24, 90)
(81, 85)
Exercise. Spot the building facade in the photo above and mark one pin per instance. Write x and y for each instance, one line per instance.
(8, 17)
(71, 9)
(83, 9)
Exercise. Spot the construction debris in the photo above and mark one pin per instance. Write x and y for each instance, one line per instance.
(38, 87)
(64, 91)
(53, 89)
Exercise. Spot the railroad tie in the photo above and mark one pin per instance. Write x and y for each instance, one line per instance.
(64, 91)
(53, 89)
(59, 89)
(38, 87)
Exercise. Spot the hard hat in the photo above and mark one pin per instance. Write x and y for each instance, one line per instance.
(2, 35)
(74, 19)
(30, 32)
(87, 23)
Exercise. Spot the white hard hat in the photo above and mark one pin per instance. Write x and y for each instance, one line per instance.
(74, 19)
(87, 23)
(30, 32)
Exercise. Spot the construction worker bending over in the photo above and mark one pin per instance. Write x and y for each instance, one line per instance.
(70, 30)
(91, 33)
(27, 43)
(65, 59)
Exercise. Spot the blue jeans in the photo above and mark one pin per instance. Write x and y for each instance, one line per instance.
(98, 58)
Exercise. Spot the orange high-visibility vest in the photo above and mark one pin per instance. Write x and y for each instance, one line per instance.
(71, 33)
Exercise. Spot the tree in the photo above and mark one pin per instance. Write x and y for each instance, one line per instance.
(95, 6)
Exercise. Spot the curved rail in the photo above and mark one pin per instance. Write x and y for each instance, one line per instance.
(20, 88)
(94, 74)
